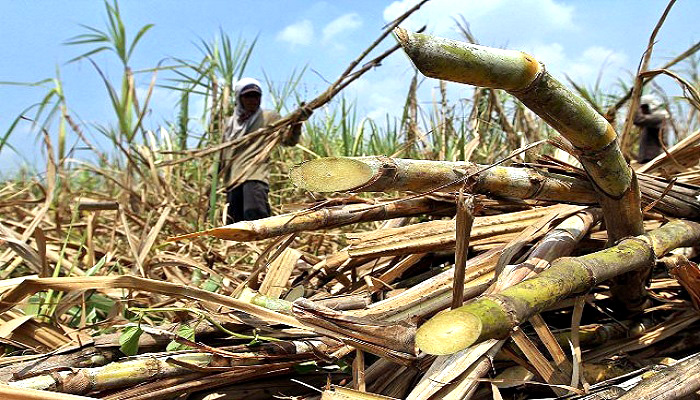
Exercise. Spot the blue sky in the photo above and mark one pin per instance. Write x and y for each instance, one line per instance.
(571, 37)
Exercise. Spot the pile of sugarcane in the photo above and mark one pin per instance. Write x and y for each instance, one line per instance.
(479, 281)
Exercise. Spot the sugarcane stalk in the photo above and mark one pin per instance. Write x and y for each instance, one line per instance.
(115, 375)
(494, 316)
(436, 236)
(556, 243)
(674, 382)
(380, 174)
(525, 78)
(251, 296)
(591, 134)
(89, 356)
(10, 393)
(331, 217)
(433, 294)
(559, 242)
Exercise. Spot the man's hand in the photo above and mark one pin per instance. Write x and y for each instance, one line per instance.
(306, 112)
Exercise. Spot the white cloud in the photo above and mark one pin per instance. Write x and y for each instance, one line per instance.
(490, 21)
(340, 25)
(584, 67)
(297, 34)
(539, 27)
(542, 28)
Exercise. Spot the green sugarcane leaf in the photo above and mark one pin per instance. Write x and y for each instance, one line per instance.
(129, 340)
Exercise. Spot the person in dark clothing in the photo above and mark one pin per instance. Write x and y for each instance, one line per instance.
(246, 176)
(651, 119)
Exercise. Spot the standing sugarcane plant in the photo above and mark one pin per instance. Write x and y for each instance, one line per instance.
(594, 139)
(213, 77)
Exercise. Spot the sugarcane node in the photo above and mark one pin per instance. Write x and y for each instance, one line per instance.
(386, 174)
(448, 332)
(331, 174)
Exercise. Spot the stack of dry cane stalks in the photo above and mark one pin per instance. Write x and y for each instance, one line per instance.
(473, 281)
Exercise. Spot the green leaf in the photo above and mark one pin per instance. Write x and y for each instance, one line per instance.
(138, 37)
(89, 53)
(34, 304)
(95, 268)
(184, 331)
(129, 340)
(306, 367)
(212, 284)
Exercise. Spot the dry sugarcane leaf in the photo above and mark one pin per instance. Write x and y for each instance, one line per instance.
(662, 331)
(341, 393)
(688, 274)
(29, 286)
(26, 330)
(279, 272)
(25, 251)
(323, 218)
(10, 393)
(389, 339)
(152, 235)
(447, 369)
(544, 367)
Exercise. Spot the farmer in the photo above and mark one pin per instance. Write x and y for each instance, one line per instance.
(651, 119)
(246, 167)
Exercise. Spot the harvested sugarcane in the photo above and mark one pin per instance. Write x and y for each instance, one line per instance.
(557, 242)
(494, 316)
(439, 235)
(115, 375)
(525, 78)
(324, 218)
(379, 174)
(674, 382)
(592, 135)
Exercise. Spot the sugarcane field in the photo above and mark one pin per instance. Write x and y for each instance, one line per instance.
(414, 199)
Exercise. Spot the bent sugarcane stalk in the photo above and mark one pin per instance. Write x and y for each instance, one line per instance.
(591, 134)
(494, 316)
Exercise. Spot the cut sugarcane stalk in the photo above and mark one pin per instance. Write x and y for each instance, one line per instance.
(494, 316)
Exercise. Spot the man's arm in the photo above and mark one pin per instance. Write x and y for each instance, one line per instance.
(653, 119)
(291, 137)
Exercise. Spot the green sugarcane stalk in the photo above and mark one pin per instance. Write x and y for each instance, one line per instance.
(382, 174)
(115, 375)
(494, 316)
(379, 174)
(591, 134)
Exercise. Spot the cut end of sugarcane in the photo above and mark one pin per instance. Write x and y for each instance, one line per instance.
(401, 35)
(238, 232)
(331, 174)
(448, 333)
